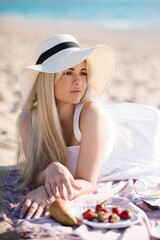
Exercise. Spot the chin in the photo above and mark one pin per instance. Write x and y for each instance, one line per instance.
(76, 100)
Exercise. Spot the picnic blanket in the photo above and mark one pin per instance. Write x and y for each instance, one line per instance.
(118, 193)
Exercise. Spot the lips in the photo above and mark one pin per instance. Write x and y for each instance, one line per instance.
(76, 91)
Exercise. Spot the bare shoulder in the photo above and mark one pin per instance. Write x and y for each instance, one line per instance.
(93, 108)
(93, 112)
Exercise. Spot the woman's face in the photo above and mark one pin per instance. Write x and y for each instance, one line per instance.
(71, 86)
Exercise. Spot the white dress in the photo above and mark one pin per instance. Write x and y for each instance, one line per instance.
(133, 146)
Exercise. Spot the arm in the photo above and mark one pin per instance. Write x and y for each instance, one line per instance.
(94, 129)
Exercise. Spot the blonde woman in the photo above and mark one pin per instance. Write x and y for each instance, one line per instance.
(69, 139)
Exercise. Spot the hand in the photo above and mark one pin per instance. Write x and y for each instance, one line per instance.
(59, 181)
(35, 203)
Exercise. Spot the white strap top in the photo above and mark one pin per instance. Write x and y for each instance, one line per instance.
(73, 151)
(76, 129)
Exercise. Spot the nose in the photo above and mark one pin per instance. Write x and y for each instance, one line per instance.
(77, 80)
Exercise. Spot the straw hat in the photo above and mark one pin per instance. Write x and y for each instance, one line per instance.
(60, 52)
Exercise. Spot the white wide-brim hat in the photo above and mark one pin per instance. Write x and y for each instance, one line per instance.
(61, 52)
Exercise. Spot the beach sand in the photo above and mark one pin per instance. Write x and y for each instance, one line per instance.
(136, 77)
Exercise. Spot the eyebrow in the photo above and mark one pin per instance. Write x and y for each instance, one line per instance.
(83, 69)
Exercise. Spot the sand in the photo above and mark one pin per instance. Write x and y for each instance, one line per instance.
(136, 77)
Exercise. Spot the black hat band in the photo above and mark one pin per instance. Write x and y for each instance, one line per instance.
(59, 47)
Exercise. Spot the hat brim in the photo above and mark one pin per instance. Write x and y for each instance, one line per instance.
(100, 58)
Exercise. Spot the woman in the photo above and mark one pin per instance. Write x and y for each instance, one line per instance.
(69, 139)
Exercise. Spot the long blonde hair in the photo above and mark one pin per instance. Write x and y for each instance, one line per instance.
(46, 142)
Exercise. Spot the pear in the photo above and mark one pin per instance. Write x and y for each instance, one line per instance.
(60, 212)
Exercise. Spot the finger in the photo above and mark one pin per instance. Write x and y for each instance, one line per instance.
(73, 183)
(60, 187)
(55, 191)
(46, 211)
(25, 207)
(22, 202)
(33, 208)
(68, 186)
(39, 212)
(48, 190)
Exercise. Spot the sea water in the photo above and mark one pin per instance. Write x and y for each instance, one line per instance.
(126, 14)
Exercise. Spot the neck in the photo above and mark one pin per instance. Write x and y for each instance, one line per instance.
(65, 112)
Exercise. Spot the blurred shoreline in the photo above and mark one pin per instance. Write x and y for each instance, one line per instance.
(136, 78)
(113, 14)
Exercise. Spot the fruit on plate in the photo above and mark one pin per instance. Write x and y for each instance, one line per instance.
(113, 218)
(126, 214)
(98, 207)
(101, 207)
(101, 213)
(60, 212)
(89, 214)
(106, 210)
(102, 216)
(116, 210)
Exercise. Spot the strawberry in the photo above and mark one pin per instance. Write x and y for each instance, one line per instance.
(102, 216)
(126, 214)
(89, 214)
(106, 210)
(113, 218)
(116, 210)
(98, 207)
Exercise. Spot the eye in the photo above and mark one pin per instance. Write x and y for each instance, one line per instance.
(83, 74)
(69, 73)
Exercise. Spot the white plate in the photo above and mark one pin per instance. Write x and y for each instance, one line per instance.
(155, 232)
(120, 224)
